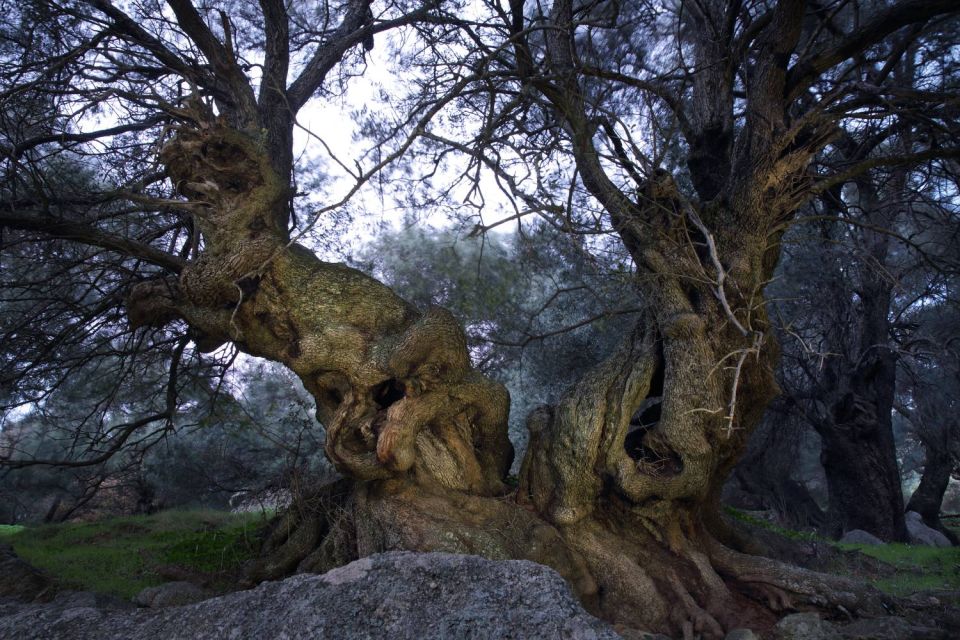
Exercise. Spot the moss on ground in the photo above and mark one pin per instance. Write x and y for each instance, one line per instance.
(743, 516)
(121, 556)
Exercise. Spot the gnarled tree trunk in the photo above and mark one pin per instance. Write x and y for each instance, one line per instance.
(619, 488)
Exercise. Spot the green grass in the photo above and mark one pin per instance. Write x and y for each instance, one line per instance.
(760, 522)
(121, 556)
(918, 568)
(10, 529)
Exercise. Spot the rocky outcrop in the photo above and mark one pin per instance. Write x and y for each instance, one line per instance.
(804, 626)
(172, 594)
(809, 626)
(892, 628)
(266, 501)
(391, 595)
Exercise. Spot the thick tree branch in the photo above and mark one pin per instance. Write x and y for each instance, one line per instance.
(894, 18)
(859, 168)
(81, 137)
(128, 28)
(224, 64)
(353, 30)
(276, 62)
(57, 228)
(122, 433)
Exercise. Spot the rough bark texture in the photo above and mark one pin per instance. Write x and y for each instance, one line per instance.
(859, 457)
(394, 385)
(619, 490)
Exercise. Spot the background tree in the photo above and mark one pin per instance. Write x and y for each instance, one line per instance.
(928, 399)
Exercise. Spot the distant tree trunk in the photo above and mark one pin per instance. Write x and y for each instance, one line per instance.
(51, 514)
(858, 451)
(762, 479)
(859, 454)
(928, 497)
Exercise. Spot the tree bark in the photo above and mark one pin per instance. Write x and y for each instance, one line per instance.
(619, 489)
(928, 496)
(858, 449)
(859, 457)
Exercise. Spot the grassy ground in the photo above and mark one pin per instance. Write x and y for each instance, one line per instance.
(121, 556)
(918, 568)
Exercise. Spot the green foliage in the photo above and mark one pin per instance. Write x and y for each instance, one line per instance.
(121, 556)
(10, 529)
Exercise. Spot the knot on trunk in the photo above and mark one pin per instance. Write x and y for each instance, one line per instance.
(152, 303)
(432, 417)
(232, 186)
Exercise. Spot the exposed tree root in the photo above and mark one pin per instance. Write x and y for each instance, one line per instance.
(315, 534)
(791, 587)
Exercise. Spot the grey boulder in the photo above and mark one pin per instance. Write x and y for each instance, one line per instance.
(859, 536)
(804, 626)
(920, 533)
(391, 595)
(172, 594)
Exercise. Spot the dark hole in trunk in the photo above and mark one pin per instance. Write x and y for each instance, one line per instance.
(388, 392)
(643, 421)
(642, 443)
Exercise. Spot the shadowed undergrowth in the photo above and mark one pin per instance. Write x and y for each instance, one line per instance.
(121, 556)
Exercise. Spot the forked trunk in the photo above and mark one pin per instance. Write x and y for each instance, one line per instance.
(619, 487)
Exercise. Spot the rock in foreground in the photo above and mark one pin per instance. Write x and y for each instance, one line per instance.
(20, 581)
(391, 595)
(920, 533)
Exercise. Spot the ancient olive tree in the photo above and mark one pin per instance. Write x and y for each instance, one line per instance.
(739, 102)
(620, 484)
